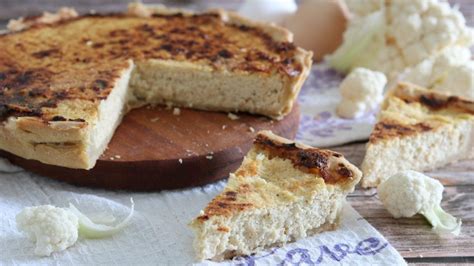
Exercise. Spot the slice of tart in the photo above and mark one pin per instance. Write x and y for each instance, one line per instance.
(283, 191)
(420, 130)
(67, 80)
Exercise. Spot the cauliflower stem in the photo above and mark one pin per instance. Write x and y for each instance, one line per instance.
(89, 229)
(360, 43)
(443, 223)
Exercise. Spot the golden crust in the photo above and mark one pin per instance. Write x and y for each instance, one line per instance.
(307, 159)
(246, 191)
(409, 109)
(436, 101)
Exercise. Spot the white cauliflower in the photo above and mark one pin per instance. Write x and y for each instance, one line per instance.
(361, 91)
(53, 229)
(458, 80)
(412, 31)
(451, 72)
(408, 193)
(56, 229)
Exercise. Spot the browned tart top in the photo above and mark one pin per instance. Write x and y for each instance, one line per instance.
(410, 109)
(310, 160)
(80, 58)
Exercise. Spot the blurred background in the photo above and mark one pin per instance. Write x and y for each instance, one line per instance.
(16, 8)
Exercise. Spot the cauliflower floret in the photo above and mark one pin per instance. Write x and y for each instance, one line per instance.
(458, 80)
(455, 56)
(361, 91)
(53, 229)
(56, 229)
(408, 193)
(450, 72)
(421, 74)
(406, 29)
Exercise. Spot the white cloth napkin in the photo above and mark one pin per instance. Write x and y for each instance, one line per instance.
(159, 232)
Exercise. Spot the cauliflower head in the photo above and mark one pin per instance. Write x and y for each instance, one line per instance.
(408, 193)
(410, 31)
(53, 229)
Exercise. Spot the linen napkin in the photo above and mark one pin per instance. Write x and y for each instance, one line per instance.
(159, 234)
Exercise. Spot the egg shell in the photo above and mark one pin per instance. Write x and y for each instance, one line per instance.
(318, 25)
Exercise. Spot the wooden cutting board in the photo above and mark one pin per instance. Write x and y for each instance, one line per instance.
(153, 149)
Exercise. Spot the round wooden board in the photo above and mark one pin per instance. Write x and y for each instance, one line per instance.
(153, 149)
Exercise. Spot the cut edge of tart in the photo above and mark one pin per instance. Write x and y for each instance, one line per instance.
(282, 192)
(418, 129)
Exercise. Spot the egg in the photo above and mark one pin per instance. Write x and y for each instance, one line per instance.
(276, 11)
(318, 25)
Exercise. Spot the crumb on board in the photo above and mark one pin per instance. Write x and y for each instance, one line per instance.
(233, 116)
(155, 119)
(176, 111)
(89, 43)
(209, 157)
(112, 158)
(180, 161)
(118, 156)
(251, 129)
(223, 127)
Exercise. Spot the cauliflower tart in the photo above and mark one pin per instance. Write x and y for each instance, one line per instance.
(420, 130)
(67, 80)
(283, 191)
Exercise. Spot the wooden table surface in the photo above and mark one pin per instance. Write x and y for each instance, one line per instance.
(411, 237)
